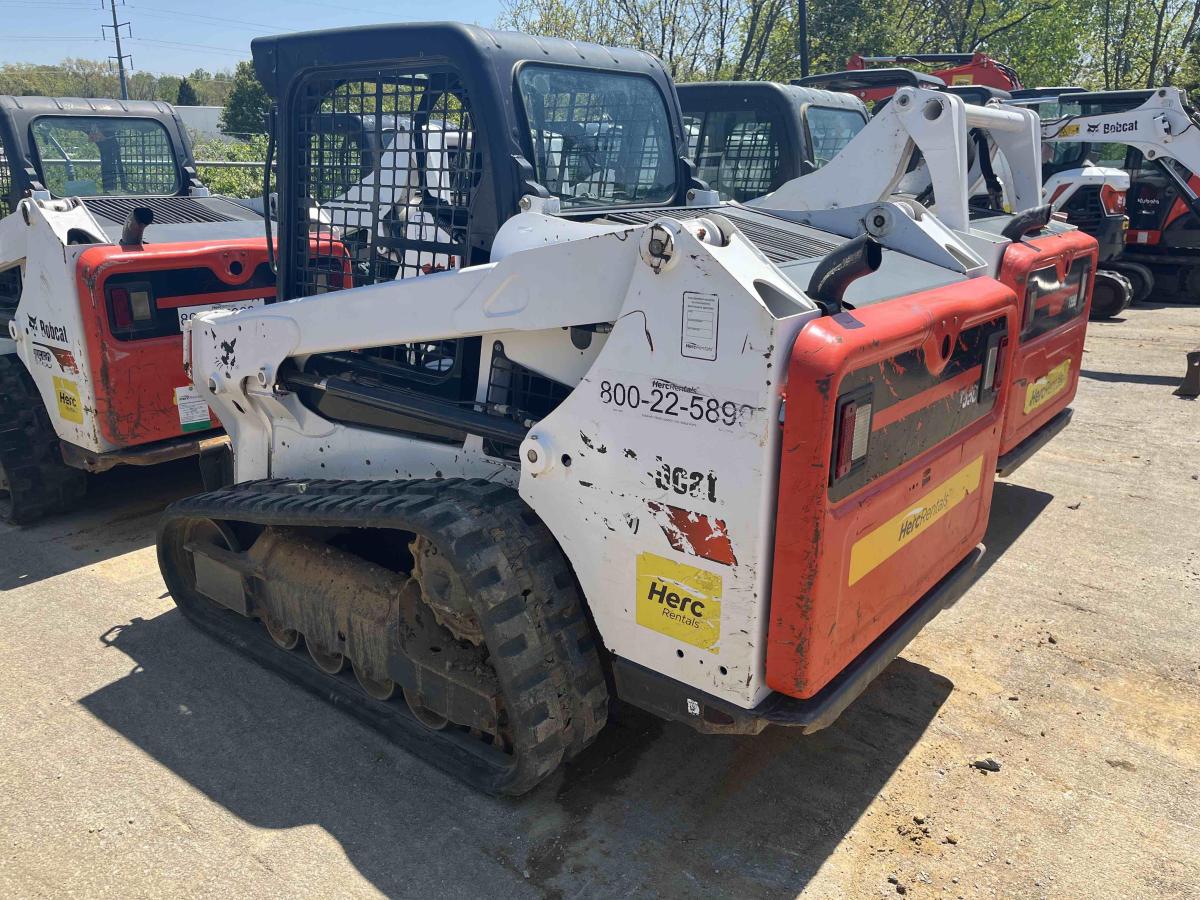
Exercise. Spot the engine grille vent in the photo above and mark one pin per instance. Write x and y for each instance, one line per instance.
(779, 240)
(167, 210)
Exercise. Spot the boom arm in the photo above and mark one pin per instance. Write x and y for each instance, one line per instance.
(871, 166)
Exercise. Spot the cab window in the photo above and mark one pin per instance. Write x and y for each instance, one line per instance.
(598, 138)
(830, 130)
(95, 156)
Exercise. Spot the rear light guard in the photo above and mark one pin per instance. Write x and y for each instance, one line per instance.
(1043, 283)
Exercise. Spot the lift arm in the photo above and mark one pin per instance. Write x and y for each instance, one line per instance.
(870, 167)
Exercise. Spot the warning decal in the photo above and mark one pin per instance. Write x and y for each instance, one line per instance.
(1048, 386)
(879, 545)
(700, 322)
(70, 406)
(194, 414)
(680, 601)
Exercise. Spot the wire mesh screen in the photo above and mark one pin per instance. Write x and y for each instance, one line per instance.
(598, 138)
(830, 130)
(5, 183)
(387, 168)
(737, 154)
(91, 156)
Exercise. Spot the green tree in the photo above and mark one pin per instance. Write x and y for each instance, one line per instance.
(246, 109)
(185, 95)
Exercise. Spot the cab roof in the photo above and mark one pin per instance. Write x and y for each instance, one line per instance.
(279, 59)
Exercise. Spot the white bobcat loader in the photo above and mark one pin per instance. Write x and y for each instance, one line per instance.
(108, 244)
(634, 444)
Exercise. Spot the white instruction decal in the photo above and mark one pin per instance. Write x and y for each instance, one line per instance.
(187, 312)
(194, 414)
(700, 319)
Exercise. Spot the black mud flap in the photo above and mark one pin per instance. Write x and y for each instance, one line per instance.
(1191, 381)
(1019, 455)
(674, 700)
(216, 466)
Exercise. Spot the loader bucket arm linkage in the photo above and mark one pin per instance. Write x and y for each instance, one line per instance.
(938, 124)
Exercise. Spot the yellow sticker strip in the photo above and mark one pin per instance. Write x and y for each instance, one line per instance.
(70, 406)
(680, 601)
(1048, 386)
(883, 542)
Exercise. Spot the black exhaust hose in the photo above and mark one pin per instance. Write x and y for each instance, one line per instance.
(841, 268)
(1022, 223)
(135, 224)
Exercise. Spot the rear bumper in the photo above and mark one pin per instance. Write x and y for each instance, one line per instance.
(1019, 455)
(146, 454)
(674, 700)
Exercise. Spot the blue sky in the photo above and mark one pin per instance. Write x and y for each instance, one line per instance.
(176, 37)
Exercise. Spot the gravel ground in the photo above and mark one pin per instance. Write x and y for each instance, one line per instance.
(140, 759)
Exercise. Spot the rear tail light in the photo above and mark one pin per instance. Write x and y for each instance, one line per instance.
(131, 307)
(852, 433)
(122, 310)
(1112, 200)
(992, 364)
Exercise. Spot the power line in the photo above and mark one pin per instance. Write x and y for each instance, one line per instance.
(120, 57)
(208, 47)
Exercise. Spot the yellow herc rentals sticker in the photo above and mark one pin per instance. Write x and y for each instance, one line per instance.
(1048, 386)
(70, 407)
(679, 600)
(884, 541)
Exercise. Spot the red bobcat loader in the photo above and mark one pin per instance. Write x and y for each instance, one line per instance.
(751, 137)
(622, 439)
(108, 245)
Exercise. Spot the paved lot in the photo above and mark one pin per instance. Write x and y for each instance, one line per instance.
(140, 759)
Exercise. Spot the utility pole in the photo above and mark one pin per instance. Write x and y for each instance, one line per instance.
(120, 57)
(801, 36)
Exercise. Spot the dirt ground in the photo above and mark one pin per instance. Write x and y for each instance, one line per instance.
(140, 759)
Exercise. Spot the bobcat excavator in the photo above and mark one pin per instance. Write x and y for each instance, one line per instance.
(1155, 134)
(622, 440)
(109, 243)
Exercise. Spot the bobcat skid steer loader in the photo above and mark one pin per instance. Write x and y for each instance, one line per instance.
(754, 136)
(629, 443)
(108, 245)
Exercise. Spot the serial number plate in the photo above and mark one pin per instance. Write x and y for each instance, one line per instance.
(670, 401)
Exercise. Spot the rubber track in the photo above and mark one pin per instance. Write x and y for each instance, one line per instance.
(40, 483)
(541, 643)
(1120, 279)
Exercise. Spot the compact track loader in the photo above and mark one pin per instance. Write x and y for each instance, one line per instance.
(1001, 152)
(597, 434)
(108, 245)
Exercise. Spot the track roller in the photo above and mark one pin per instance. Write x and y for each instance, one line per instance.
(450, 595)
